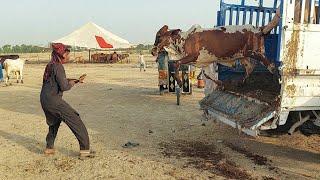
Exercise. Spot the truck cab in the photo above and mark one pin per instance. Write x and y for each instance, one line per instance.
(265, 102)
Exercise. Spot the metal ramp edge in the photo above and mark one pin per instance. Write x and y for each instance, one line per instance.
(252, 131)
(242, 112)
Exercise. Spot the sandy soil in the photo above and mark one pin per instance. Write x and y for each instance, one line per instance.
(119, 104)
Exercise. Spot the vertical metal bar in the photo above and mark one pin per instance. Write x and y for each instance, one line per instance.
(311, 14)
(275, 4)
(218, 18)
(238, 14)
(89, 56)
(303, 9)
(221, 14)
(222, 17)
(270, 16)
(231, 16)
(244, 20)
(280, 32)
(276, 29)
(242, 2)
(258, 18)
(264, 17)
(260, 3)
(251, 16)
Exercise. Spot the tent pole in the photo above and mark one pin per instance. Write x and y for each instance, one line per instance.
(89, 57)
(74, 53)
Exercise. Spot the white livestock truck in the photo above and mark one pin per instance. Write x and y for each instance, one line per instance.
(265, 103)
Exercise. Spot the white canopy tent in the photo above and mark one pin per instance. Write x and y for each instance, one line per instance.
(92, 36)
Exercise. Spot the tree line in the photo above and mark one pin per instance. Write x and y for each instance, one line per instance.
(37, 49)
(138, 49)
(22, 49)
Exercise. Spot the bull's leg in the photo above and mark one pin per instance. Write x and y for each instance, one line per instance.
(270, 66)
(249, 66)
(17, 76)
(185, 60)
(7, 78)
(208, 74)
(261, 58)
(176, 75)
(21, 76)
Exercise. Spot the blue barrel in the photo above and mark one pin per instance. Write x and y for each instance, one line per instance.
(1, 73)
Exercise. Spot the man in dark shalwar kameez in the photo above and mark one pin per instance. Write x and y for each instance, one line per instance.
(55, 108)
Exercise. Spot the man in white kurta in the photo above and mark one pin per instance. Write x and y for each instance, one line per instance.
(142, 63)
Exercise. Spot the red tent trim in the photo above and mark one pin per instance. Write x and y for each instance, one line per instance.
(103, 43)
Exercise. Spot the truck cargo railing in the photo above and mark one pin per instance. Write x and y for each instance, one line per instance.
(257, 15)
(241, 14)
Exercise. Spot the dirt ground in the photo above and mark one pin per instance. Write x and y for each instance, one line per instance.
(119, 104)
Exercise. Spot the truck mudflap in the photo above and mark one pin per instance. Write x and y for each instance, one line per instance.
(245, 113)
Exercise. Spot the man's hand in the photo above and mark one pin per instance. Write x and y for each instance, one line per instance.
(81, 79)
(72, 82)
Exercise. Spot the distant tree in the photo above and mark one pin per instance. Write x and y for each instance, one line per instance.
(6, 48)
(16, 49)
(140, 47)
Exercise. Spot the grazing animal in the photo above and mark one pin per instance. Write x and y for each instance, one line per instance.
(98, 58)
(79, 59)
(14, 66)
(223, 45)
(108, 58)
(114, 58)
(124, 57)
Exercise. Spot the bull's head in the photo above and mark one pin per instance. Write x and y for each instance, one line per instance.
(164, 38)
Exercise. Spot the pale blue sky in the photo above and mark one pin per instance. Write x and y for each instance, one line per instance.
(40, 21)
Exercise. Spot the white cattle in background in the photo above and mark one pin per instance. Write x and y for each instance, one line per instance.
(15, 67)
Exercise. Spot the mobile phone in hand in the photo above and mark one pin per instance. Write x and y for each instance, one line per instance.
(82, 78)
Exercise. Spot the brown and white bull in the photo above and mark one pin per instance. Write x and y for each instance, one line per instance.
(223, 45)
